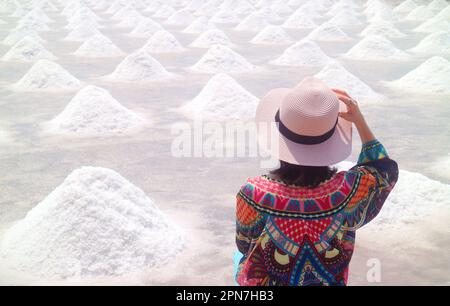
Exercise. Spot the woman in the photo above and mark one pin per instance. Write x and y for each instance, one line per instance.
(296, 226)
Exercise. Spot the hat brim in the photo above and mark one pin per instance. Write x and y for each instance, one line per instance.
(332, 151)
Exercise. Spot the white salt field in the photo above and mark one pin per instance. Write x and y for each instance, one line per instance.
(90, 90)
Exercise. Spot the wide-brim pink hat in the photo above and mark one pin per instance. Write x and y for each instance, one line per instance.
(301, 125)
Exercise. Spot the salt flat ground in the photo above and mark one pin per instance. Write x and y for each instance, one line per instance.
(199, 192)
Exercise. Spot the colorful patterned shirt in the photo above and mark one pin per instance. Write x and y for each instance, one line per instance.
(296, 236)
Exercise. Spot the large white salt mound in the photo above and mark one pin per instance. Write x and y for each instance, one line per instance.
(96, 223)
(375, 47)
(441, 167)
(328, 32)
(225, 17)
(303, 53)
(126, 12)
(74, 24)
(34, 24)
(346, 19)
(163, 42)
(47, 75)
(164, 12)
(405, 7)
(438, 5)
(140, 66)
(94, 112)
(417, 189)
(200, 25)
(181, 18)
(336, 76)
(131, 21)
(280, 7)
(382, 28)
(435, 43)
(222, 98)
(98, 46)
(221, 59)
(272, 35)
(146, 28)
(252, 23)
(82, 32)
(433, 25)
(270, 14)
(299, 20)
(28, 50)
(240, 7)
(208, 9)
(211, 38)
(18, 34)
(420, 13)
(433, 76)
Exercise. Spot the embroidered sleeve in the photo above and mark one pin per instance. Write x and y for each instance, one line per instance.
(249, 224)
(376, 175)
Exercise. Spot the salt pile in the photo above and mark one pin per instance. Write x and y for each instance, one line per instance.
(299, 20)
(96, 223)
(131, 21)
(438, 5)
(270, 15)
(98, 46)
(240, 7)
(28, 50)
(34, 24)
(336, 76)
(163, 42)
(433, 76)
(420, 13)
(146, 28)
(8, 6)
(211, 38)
(76, 23)
(18, 34)
(329, 32)
(47, 75)
(382, 28)
(221, 59)
(223, 98)
(303, 53)
(164, 12)
(38, 14)
(81, 32)
(94, 112)
(442, 167)
(195, 5)
(181, 18)
(280, 7)
(341, 6)
(433, 25)
(200, 25)
(225, 17)
(406, 7)
(126, 12)
(208, 9)
(253, 22)
(272, 35)
(435, 43)
(375, 47)
(140, 66)
(346, 19)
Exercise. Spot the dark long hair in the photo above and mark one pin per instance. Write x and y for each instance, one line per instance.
(305, 176)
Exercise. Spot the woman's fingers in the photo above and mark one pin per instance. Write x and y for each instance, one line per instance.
(347, 101)
(342, 92)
